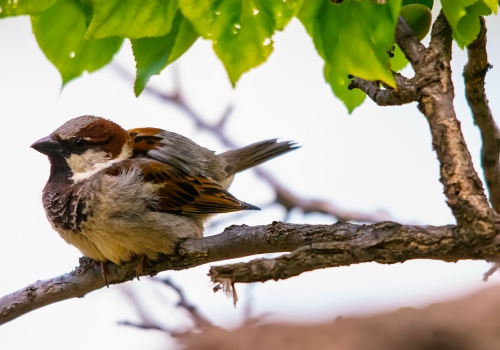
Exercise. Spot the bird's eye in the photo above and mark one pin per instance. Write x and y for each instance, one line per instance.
(79, 144)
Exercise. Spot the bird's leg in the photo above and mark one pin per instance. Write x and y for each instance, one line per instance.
(140, 265)
(104, 272)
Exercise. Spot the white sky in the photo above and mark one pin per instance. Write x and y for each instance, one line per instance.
(377, 158)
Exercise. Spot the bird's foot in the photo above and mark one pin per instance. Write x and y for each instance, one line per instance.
(104, 270)
(140, 265)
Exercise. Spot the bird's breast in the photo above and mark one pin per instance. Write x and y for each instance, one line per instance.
(66, 205)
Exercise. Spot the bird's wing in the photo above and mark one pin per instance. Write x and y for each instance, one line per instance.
(146, 140)
(180, 192)
(175, 150)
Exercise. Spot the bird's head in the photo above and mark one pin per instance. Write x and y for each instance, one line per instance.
(83, 146)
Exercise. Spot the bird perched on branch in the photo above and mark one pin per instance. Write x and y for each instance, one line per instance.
(117, 194)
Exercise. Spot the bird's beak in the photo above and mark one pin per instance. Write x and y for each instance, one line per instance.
(47, 146)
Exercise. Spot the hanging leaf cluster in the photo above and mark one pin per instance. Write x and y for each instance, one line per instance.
(354, 37)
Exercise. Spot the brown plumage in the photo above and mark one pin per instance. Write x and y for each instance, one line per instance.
(182, 193)
(116, 194)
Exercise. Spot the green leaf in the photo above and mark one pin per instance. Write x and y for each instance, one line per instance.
(353, 37)
(152, 55)
(428, 3)
(398, 61)
(132, 19)
(492, 5)
(463, 17)
(338, 80)
(60, 32)
(241, 31)
(9, 8)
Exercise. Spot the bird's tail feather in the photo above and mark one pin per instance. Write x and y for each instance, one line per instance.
(257, 153)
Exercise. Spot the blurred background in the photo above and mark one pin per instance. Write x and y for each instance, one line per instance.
(375, 159)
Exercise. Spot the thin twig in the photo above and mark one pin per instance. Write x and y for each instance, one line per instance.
(145, 326)
(146, 321)
(199, 320)
(405, 92)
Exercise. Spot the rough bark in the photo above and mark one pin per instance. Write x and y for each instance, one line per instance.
(462, 186)
(474, 75)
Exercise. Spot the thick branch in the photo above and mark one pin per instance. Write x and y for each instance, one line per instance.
(347, 244)
(314, 246)
(462, 186)
(474, 75)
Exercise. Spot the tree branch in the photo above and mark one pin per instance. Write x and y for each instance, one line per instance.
(462, 186)
(385, 242)
(409, 44)
(346, 244)
(313, 247)
(474, 76)
(146, 321)
(199, 320)
(405, 93)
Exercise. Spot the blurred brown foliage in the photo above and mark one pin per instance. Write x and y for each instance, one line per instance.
(472, 323)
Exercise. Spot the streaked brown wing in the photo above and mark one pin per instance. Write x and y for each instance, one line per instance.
(164, 146)
(182, 193)
(145, 140)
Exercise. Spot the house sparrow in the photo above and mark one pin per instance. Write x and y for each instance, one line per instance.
(117, 194)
